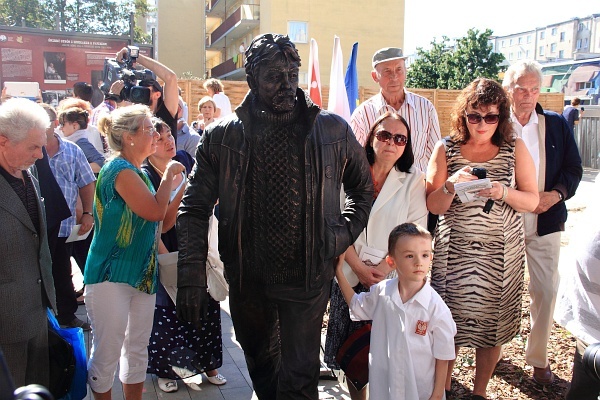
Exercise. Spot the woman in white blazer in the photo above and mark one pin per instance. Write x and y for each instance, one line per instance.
(399, 197)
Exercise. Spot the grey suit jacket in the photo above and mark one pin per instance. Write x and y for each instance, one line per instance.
(26, 285)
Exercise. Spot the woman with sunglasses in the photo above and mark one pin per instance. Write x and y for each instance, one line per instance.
(480, 257)
(122, 269)
(399, 197)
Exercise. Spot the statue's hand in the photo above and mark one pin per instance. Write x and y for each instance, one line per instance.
(192, 304)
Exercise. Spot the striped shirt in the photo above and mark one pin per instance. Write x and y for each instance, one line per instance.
(416, 110)
(72, 172)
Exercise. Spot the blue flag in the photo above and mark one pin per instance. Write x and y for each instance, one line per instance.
(351, 79)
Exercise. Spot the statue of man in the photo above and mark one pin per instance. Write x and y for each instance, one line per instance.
(277, 168)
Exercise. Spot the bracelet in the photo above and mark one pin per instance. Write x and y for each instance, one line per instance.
(504, 192)
(88, 213)
(446, 191)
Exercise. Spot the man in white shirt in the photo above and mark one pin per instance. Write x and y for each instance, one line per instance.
(558, 167)
(389, 71)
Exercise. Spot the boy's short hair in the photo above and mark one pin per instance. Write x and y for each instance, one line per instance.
(406, 229)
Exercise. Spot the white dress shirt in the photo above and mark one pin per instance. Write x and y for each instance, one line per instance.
(529, 134)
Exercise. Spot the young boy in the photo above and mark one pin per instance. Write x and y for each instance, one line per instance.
(412, 337)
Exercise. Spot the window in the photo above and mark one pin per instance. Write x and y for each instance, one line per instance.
(503, 43)
(527, 54)
(520, 40)
(541, 52)
(554, 31)
(519, 55)
(584, 85)
(298, 31)
(562, 36)
(578, 46)
(542, 35)
(528, 40)
(580, 27)
(510, 56)
(585, 43)
(510, 43)
(553, 48)
(561, 54)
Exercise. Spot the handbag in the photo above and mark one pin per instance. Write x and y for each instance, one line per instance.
(353, 356)
(215, 270)
(68, 364)
(218, 288)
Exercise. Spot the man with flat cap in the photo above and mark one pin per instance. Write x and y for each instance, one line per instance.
(277, 168)
(389, 71)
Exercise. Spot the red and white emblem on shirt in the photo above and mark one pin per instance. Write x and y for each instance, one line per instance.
(421, 328)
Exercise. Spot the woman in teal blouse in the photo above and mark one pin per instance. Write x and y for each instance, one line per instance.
(121, 269)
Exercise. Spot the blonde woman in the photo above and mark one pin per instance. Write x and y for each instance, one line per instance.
(121, 271)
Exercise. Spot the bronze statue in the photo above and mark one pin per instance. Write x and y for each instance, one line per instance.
(276, 166)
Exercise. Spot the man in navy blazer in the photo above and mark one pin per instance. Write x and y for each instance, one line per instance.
(559, 171)
(26, 286)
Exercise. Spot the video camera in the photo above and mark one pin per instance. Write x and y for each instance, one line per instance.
(114, 71)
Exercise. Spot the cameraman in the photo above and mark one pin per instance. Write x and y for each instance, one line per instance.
(578, 301)
(163, 100)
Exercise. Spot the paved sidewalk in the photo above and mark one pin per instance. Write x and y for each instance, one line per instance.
(238, 386)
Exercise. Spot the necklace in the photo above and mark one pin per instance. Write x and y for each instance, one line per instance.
(160, 172)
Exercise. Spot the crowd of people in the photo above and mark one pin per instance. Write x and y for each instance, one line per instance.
(303, 197)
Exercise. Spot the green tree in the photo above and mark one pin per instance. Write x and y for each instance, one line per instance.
(86, 16)
(31, 13)
(445, 67)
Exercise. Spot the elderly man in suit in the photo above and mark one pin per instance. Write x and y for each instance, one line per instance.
(26, 286)
(558, 168)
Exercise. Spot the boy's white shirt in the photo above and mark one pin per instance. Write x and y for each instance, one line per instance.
(401, 361)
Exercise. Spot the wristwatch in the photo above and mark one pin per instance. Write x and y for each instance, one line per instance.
(560, 195)
(446, 191)
(88, 213)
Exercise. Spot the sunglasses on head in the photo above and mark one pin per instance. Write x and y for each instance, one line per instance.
(385, 136)
(489, 119)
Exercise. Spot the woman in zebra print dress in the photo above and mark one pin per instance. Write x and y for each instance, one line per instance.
(480, 257)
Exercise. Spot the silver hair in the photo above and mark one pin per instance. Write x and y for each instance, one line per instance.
(123, 120)
(519, 69)
(19, 116)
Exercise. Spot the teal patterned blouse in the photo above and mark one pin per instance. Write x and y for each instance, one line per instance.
(124, 248)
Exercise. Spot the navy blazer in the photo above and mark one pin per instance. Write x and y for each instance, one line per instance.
(563, 170)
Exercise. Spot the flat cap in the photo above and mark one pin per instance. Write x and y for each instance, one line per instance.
(387, 54)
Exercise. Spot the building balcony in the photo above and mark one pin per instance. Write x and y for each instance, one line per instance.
(237, 25)
(216, 8)
(232, 69)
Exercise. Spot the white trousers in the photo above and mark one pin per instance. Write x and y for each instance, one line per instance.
(542, 264)
(121, 318)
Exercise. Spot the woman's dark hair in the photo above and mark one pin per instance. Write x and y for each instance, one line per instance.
(159, 125)
(407, 158)
(74, 114)
(480, 94)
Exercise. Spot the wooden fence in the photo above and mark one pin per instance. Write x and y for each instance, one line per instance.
(443, 100)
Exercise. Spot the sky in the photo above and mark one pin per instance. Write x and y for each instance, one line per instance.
(425, 20)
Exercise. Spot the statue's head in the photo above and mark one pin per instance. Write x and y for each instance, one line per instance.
(272, 67)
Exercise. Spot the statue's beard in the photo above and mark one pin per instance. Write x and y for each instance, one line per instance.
(283, 101)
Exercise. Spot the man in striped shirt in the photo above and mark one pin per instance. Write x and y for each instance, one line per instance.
(389, 71)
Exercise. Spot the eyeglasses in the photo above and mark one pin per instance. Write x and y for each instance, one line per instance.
(489, 119)
(385, 136)
(149, 130)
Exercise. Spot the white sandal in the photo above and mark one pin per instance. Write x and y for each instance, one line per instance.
(218, 379)
(167, 385)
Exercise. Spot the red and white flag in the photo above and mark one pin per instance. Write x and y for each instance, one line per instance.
(314, 74)
(338, 97)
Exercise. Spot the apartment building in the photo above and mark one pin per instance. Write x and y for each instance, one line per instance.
(231, 24)
(574, 39)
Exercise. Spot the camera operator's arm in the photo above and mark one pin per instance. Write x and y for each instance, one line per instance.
(170, 92)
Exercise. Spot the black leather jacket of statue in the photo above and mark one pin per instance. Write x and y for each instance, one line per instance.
(332, 157)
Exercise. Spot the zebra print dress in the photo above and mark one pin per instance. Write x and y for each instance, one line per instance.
(480, 258)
